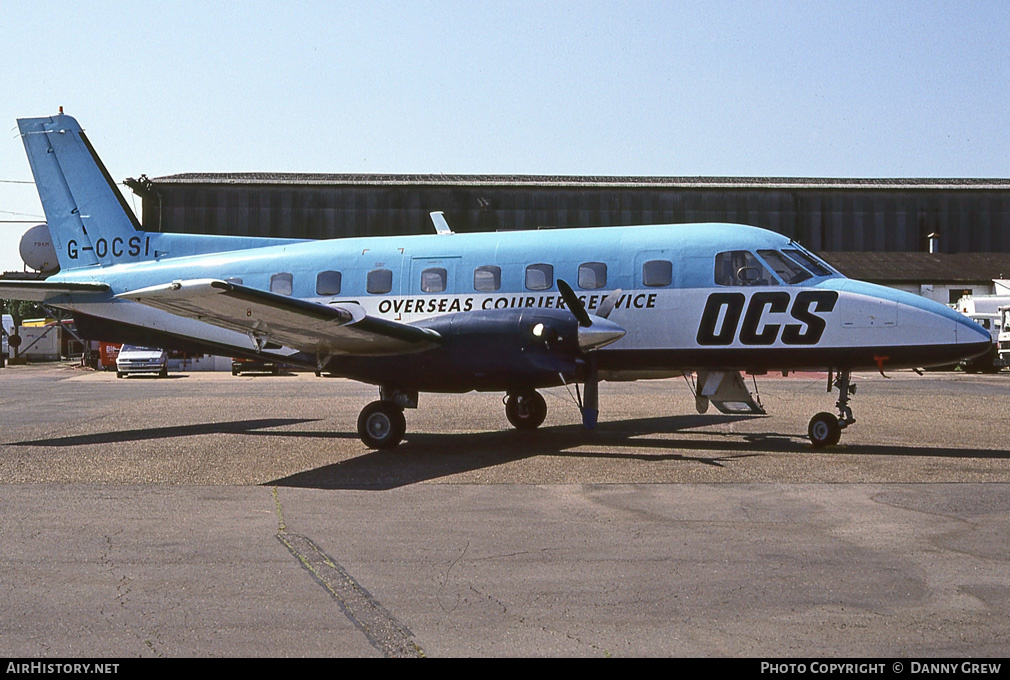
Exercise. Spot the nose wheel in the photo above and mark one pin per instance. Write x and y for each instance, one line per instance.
(825, 429)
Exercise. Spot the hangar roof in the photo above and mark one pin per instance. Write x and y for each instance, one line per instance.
(914, 268)
(294, 178)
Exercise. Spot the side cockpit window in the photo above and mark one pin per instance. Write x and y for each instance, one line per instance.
(787, 270)
(742, 268)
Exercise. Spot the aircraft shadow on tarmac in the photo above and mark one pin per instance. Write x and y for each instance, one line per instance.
(426, 456)
(141, 434)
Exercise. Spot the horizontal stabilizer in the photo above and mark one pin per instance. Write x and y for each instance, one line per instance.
(43, 291)
(271, 318)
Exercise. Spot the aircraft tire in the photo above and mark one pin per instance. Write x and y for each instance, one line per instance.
(526, 410)
(824, 430)
(381, 425)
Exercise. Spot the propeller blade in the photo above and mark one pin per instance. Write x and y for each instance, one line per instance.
(607, 307)
(575, 305)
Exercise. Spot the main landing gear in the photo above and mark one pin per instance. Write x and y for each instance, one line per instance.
(525, 410)
(825, 428)
(381, 424)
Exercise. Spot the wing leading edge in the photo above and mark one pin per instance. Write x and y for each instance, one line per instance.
(323, 330)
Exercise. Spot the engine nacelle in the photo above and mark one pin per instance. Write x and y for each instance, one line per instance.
(505, 350)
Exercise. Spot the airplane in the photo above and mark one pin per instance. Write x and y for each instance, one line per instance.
(511, 312)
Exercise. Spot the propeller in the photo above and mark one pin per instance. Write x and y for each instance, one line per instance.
(595, 331)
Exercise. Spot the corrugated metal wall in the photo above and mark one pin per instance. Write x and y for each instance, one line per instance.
(823, 219)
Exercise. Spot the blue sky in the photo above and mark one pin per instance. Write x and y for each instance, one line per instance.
(820, 89)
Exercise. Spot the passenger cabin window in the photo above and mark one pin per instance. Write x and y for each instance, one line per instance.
(234, 279)
(328, 283)
(592, 275)
(539, 276)
(433, 280)
(281, 283)
(487, 278)
(788, 271)
(742, 268)
(656, 273)
(379, 281)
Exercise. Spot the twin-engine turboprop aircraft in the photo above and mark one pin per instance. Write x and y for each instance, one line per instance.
(510, 312)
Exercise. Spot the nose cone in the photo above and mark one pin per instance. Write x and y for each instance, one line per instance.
(599, 334)
(907, 329)
(974, 339)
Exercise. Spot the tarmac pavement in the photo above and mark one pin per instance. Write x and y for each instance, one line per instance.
(211, 515)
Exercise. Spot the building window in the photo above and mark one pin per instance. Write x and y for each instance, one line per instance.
(487, 278)
(592, 275)
(955, 294)
(539, 276)
(328, 283)
(281, 283)
(433, 280)
(656, 273)
(379, 281)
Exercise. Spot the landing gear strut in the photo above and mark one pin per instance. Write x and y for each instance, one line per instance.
(825, 428)
(525, 410)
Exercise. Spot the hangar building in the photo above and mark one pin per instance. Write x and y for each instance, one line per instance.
(939, 237)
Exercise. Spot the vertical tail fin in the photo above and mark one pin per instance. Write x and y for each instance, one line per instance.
(89, 221)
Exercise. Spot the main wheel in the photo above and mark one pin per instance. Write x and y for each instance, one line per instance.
(526, 410)
(824, 430)
(381, 425)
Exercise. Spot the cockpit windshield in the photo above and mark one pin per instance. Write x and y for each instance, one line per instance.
(815, 265)
(787, 269)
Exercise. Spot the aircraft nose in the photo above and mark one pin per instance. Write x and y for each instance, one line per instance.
(971, 334)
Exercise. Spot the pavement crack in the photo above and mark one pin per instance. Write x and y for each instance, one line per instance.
(445, 581)
(380, 628)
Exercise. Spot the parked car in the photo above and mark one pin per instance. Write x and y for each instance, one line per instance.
(134, 359)
(243, 365)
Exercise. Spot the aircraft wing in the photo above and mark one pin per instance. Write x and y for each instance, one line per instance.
(267, 318)
(42, 291)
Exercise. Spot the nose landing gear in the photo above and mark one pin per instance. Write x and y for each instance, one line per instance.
(825, 429)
